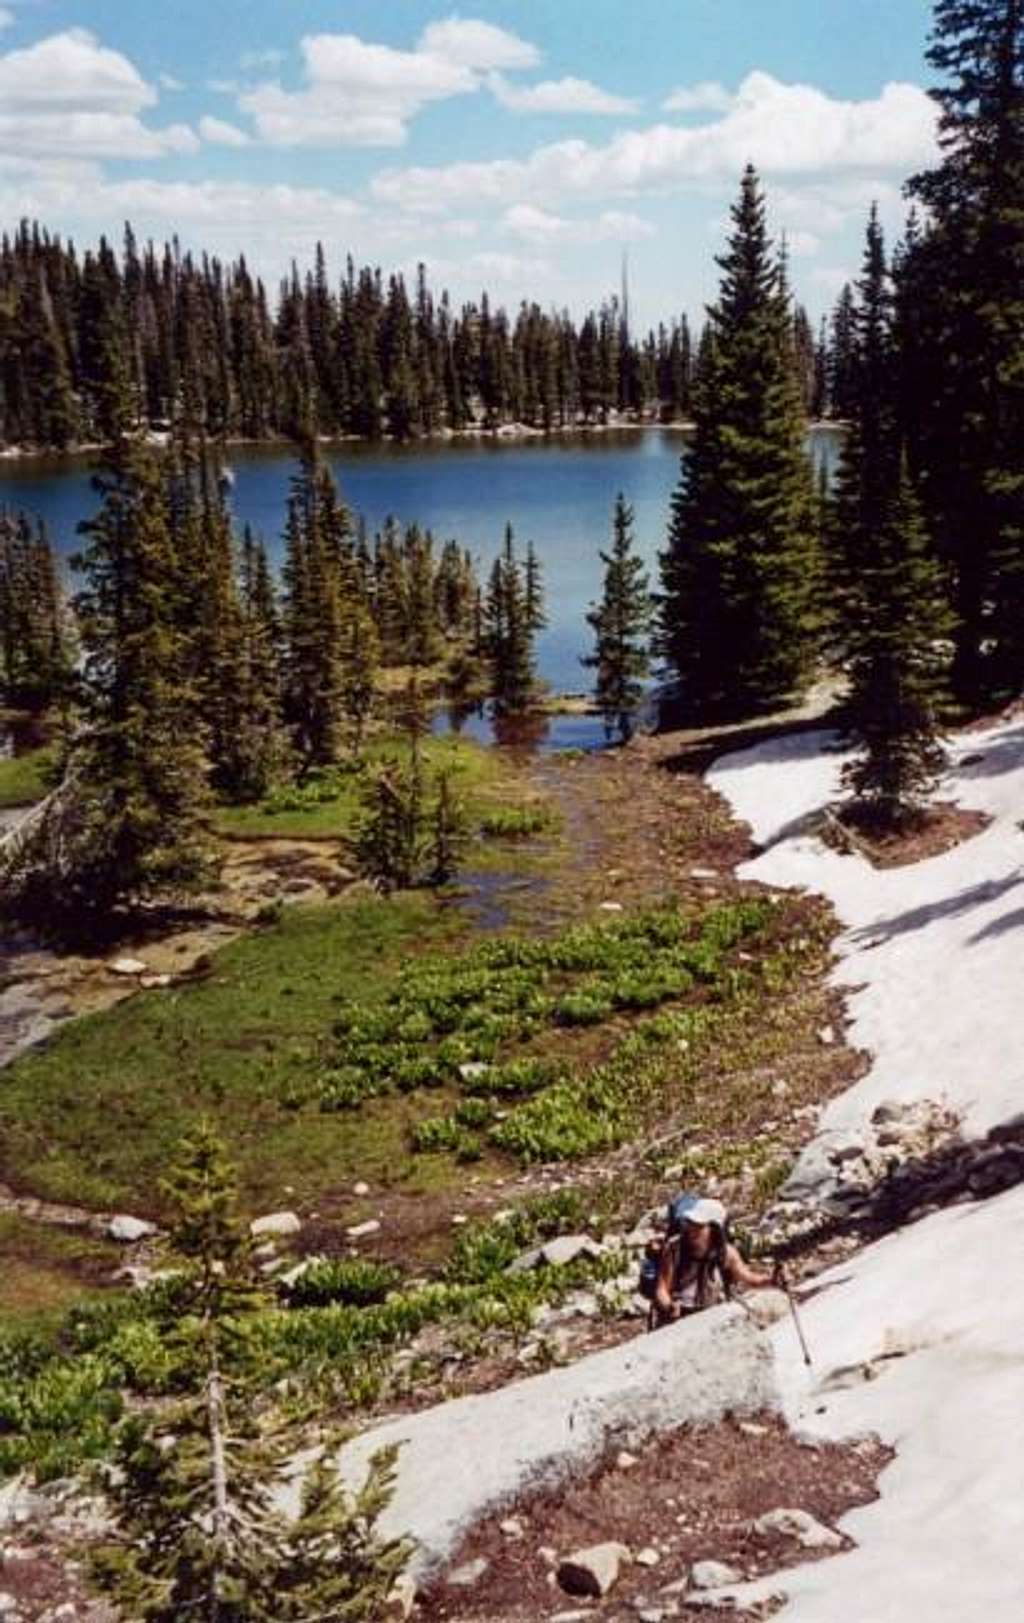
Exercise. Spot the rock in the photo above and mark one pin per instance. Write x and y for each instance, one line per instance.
(360, 1188)
(888, 1110)
(473, 1070)
(150, 983)
(802, 1526)
(611, 907)
(766, 1307)
(548, 1555)
(362, 1231)
(625, 1461)
(468, 1574)
(751, 1428)
(652, 1614)
(704, 873)
(570, 1617)
(402, 1599)
(512, 1527)
(846, 1148)
(592, 1571)
(648, 1557)
(128, 966)
(130, 1229)
(459, 1220)
(8, 1604)
(275, 1223)
(827, 1036)
(293, 1275)
(556, 1253)
(713, 1575)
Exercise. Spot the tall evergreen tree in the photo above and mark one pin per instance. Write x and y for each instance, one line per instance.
(737, 620)
(511, 619)
(965, 280)
(621, 625)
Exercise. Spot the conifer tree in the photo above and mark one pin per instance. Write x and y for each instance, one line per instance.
(511, 619)
(965, 394)
(449, 832)
(35, 636)
(313, 616)
(197, 1531)
(737, 619)
(621, 624)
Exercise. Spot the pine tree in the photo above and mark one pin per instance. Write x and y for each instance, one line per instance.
(313, 616)
(621, 623)
(511, 620)
(197, 1531)
(450, 830)
(35, 635)
(966, 393)
(738, 575)
(896, 645)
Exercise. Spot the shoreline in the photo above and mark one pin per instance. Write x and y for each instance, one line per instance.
(504, 433)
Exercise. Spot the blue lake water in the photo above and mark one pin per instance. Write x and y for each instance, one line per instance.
(558, 493)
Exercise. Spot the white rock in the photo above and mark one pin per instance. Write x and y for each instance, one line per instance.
(827, 1036)
(360, 1188)
(512, 1527)
(704, 873)
(128, 966)
(713, 1575)
(625, 1461)
(557, 1253)
(648, 1557)
(8, 1604)
(279, 1223)
(362, 1231)
(611, 907)
(468, 1574)
(799, 1524)
(293, 1275)
(592, 1571)
(473, 1069)
(570, 1617)
(130, 1229)
(150, 982)
(401, 1600)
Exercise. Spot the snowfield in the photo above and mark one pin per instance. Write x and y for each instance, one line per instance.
(920, 1338)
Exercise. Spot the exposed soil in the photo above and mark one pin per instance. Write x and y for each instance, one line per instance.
(928, 834)
(40, 1579)
(690, 1496)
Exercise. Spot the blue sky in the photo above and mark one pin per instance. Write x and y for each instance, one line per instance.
(519, 146)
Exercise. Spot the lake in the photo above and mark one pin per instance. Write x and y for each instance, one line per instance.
(556, 492)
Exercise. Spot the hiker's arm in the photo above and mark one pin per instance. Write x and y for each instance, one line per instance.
(739, 1272)
(663, 1289)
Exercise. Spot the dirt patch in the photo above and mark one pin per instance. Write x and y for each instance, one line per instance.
(39, 1579)
(690, 1496)
(926, 834)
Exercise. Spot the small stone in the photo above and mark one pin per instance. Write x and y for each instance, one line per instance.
(150, 982)
(360, 1188)
(128, 966)
(275, 1223)
(8, 1604)
(713, 1575)
(827, 1036)
(473, 1069)
(625, 1461)
(704, 873)
(362, 1231)
(592, 1571)
(548, 1554)
(799, 1524)
(648, 1557)
(459, 1220)
(751, 1428)
(570, 1617)
(401, 1599)
(512, 1527)
(468, 1574)
(130, 1229)
(611, 907)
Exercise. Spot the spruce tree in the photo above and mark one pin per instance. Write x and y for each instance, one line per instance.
(896, 645)
(737, 617)
(512, 616)
(965, 394)
(621, 625)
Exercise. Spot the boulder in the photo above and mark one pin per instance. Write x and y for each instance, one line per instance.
(802, 1526)
(556, 1253)
(713, 1575)
(275, 1223)
(592, 1571)
(129, 1229)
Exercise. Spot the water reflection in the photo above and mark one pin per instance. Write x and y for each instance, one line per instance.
(536, 733)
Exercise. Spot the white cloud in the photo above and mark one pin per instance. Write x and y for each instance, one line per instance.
(707, 97)
(167, 81)
(475, 44)
(220, 133)
(558, 96)
(802, 244)
(357, 94)
(785, 129)
(6, 18)
(537, 225)
(223, 87)
(69, 95)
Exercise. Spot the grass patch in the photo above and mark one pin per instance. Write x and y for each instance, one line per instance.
(23, 778)
(43, 1270)
(328, 803)
(516, 822)
(96, 1115)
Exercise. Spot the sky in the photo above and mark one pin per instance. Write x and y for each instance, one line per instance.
(523, 146)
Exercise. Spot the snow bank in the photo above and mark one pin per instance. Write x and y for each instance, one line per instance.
(921, 1337)
(932, 957)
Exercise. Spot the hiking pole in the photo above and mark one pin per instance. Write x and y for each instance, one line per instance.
(785, 1285)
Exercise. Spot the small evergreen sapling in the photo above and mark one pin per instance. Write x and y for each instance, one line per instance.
(621, 624)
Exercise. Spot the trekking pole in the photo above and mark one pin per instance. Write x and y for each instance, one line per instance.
(785, 1285)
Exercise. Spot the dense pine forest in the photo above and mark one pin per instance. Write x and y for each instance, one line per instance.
(361, 356)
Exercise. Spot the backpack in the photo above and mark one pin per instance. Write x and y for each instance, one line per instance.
(650, 1264)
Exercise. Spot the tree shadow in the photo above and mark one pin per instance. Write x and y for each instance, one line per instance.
(951, 907)
(1005, 756)
(998, 927)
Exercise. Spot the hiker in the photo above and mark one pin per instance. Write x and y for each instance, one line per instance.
(694, 1253)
